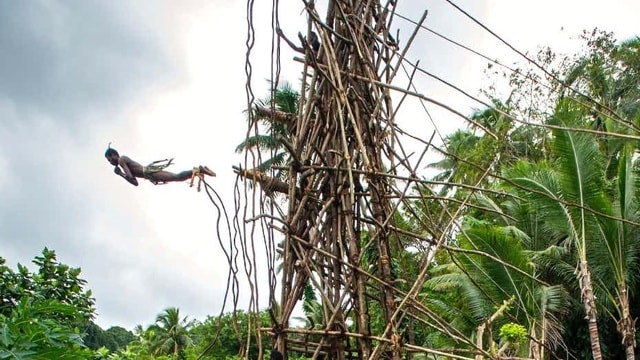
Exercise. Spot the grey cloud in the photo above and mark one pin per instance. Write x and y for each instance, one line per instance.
(61, 63)
(39, 205)
(63, 66)
(66, 57)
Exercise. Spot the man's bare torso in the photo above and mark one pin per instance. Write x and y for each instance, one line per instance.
(136, 168)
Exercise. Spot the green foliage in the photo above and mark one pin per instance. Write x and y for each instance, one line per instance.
(101, 353)
(170, 334)
(53, 280)
(33, 330)
(40, 312)
(513, 333)
(112, 339)
(226, 336)
(120, 336)
(492, 142)
(95, 338)
(139, 349)
(269, 137)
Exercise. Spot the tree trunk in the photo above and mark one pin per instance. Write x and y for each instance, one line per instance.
(487, 324)
(630, 352)
(479, 337)
(589, 301)
(534, 343)
(626, 324)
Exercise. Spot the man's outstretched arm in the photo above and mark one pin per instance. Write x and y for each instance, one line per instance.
(124, 162)
(131, 179)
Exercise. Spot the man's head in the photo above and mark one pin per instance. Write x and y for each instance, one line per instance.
(112, 156)
(276, 355)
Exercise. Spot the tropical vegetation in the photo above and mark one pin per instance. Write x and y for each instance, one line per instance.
(544, 262)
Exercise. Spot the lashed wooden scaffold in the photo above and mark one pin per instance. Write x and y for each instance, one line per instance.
(338, 141)
(347, 176)
(354, 201)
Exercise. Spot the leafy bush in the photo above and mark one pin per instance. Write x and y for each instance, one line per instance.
(513, 333)
(40, 312)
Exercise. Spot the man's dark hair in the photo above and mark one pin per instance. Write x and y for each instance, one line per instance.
(276, 355)
(110, 151)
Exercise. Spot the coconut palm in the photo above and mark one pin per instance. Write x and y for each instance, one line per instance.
(608, 74)
(607, 78)
(492, 267)
(565, 193)
(572, 214)
(171, 333)
(275, 114)
(601, 230)
(618, 255)
(470, 152)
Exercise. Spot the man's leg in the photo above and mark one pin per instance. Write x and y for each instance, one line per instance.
(166, 176)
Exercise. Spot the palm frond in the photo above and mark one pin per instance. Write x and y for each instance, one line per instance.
(581, 167)
(553, 302)
(279, 159)
(498, 213)
(540, 186)
(262, 142)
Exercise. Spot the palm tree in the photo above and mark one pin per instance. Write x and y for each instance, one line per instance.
(275, 113)
(565, 194)
(171, 333)
(580, 206)
(575, 214)
(470, 152)
(609, 74)
(312, 309)
(619, 252)
(494, 266)
(607, 78)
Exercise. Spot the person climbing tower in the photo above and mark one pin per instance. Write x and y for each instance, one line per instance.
(130, 169)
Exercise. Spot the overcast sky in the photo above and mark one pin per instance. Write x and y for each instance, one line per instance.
(166, 79)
